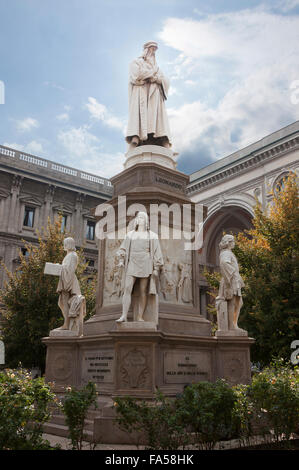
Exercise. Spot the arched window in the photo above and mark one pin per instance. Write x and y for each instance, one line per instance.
(280, 182)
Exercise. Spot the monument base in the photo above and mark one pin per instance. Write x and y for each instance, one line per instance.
(62, 333)
(137, 362)
(231, 333)
(136, 325)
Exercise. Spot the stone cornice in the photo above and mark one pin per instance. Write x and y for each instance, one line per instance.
(46, 171)
(240, 166)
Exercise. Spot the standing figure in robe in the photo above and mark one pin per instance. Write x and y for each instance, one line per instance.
(70, 298)
(140, 259)
(230, 283)
(148, 88)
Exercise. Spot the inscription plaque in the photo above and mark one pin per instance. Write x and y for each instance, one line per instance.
(186, 367)
(98, 366)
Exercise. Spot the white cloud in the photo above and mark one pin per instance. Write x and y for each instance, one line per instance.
(172, 91)
(287, 5)
(63, 117)
(81, 145)
(14, 146)
(27, 124)
(191, 82)
(99, 112)
(257, 52)
(54, 85)
(34, 147)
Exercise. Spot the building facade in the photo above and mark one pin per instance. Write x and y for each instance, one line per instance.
(230, 187)
(33, 189)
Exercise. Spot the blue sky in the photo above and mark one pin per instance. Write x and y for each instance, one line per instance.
(64, 63)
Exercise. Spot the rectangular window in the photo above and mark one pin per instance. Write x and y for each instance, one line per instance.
(24, 252)
(63, 223)
(90, 230)
(90, 263)
(29, 216)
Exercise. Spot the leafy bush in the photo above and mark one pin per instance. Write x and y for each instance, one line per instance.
(158, 421)
(243, 414)
(30, 301)
(75, 407)
(24, 407)
(274, 394)
(207, 410)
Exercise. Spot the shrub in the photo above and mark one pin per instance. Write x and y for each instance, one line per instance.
(207, 410)
(29, 301)
(75, 407)
(275, 397)
(243, 414)
(159, 421)
(24, 407)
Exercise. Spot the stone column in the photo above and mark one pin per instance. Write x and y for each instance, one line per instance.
(13, 206)
(77, 223)
(48, 203)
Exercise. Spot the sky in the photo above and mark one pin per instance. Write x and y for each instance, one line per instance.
(233, 67)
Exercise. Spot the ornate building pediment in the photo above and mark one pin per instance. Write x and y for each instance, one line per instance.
(63, 208)
(30, 201)
(4, 194)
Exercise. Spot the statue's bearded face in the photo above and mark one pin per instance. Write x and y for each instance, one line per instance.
(152, 50)
(141, 219)
(150, 53)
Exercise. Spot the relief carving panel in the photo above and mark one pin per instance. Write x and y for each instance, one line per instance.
(135, 367)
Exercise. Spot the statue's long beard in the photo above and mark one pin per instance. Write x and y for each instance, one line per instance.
(151, 58)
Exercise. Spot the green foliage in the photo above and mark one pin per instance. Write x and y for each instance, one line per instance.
(268, 257)
(206, 413)
(207, 410)
(157, 421)
(24, 407)
(243, 414)
(202, 414)
(213, 279)
(75, 407)
(269, 264)
(274, 394)
(31, 302)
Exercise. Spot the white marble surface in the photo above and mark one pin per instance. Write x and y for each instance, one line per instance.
(54, 269)
(136, 325)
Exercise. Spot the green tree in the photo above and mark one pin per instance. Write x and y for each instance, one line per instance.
(268, 257)
(24, 408)
(30, 300)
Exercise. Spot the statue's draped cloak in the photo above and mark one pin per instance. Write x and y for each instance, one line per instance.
(147, 112)
(68, 282)
(154, 252)
(231, 281)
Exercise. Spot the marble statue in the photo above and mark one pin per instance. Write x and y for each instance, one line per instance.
(140, 258)
(167, 282)
(148, 88)
(229, 300)
(184, 288)
(71, 302)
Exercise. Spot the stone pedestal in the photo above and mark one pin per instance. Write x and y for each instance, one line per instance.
(136, 358)
(151, 154)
